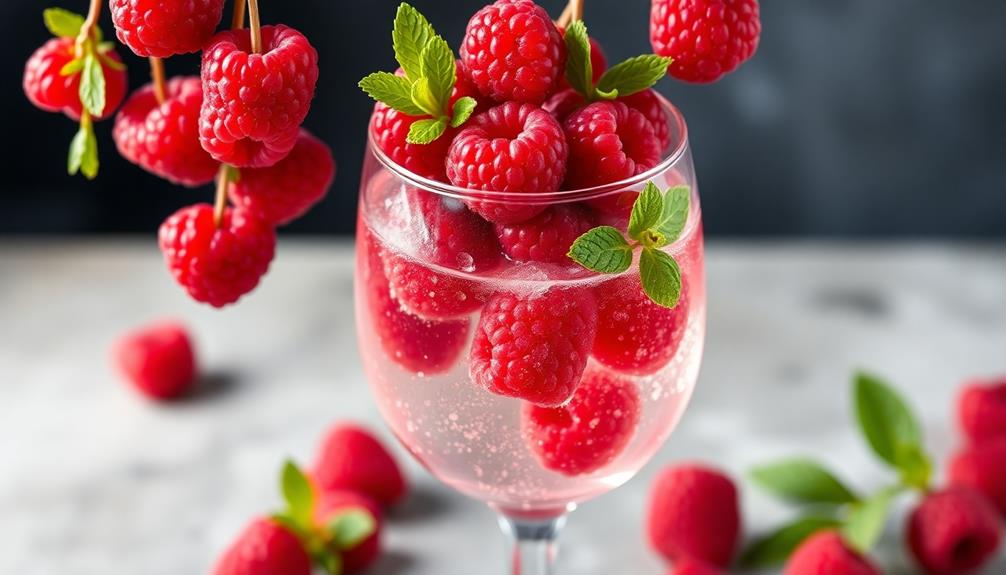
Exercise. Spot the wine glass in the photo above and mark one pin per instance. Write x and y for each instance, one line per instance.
(431, 287)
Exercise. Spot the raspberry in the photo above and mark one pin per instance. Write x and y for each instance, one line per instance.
(649, 105)
(635, 335)
(516, 148)
(285, 191)
(695, 567)
(981, 410)
(164, 138)
(336, 501)
(608, 141)
(693, 512)
(216, 265)
(253, 104)
(563, 103)
(351, 458)
(513, 51)
(157, 359)
(824, 553)
(534, 347)
(954, 531)
(547, 236)
(587, 433)
(706, 38)
(48, 90)
(264, 548)
(598, 63)
(164, 28)
(429, 294)
(983, 468)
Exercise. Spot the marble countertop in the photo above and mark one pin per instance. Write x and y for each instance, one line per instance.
(96, 481)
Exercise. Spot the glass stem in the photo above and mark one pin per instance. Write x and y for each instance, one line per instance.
(533, 543)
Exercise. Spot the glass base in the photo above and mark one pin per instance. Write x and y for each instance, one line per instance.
(533, 542)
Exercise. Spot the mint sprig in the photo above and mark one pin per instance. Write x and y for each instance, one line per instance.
(430, 74)
(623, 79)
(656, 221)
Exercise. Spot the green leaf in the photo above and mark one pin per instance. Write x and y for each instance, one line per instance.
(411, 32)
(72, 67)
(393, 90)
(92, 86)
(62, 23)
(802, 481)
(425, 131)
(463, 109)
(83, 155)
(330, 562)
(885, 419)
(634, 75)
(108, 62)
(915, 466)
(350, 527)
(423, 97)
(439, 68)
(298, 495)
(661, 277)
(233, 174)
(579, 72)
(866, 521)
(645, 211)
(773, 549)
(675, 213)
(602, 249)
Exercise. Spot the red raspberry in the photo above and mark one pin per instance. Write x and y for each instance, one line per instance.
(516, 148)
(50, 91)
(546, 237)
(693, 512)
(351, 458)
(563, 103)
(587, 433)
(695, 567)
(216, 266)
(609, 141)
(157, 359)
(254, 104)
(983, 468)
(981, 410)
(285, 191)
(649, 105)
(429, 294)
(165, 28)
(824, 553)
(598, 63)
(334, 502)
(954, 531)
(264, 548)
(706, 38)
(164, 138)
(513, 51)
(534, 347)
(635, 335)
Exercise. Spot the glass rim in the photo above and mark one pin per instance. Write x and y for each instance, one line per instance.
(677, 151)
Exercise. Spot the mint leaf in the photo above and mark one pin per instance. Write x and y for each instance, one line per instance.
(915, 466)
(393, 90)
(424, 98)
(802, 481)
(888, 424)
(92, 86)
(773, 549)
(675, 213)
(83, 155)
(463, 109)
(331, 563)
(409, 36)
(866, 521)
(661, 277)
(72, 67)
(298, 495)
(646, 211)
(602, 249)
(350, 527)
(634, 75)
(109, 62)
(438, 68)
(62, 23)
(425, 131)
(579, 72)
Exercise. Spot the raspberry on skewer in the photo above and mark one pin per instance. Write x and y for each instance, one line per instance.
(706, 38)
(163, 28)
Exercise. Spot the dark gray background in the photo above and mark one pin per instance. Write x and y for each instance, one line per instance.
(855, 118)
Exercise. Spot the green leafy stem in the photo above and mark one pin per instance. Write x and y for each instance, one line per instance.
(623, 79)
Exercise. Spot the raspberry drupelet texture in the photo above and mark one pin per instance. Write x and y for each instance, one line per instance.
(954, 531)
(285, 191)
(587, 433)
(512, 51)
(981, 410)
(254, 104)
(264, 548)
(534, 347)
(982, 468)
(49, 90)
(546, 237)
(164, 138)
(825, 554)
(164, 28)
(515, 148)
(157, 359)
(351, 458)
(609, 141)
(333, 502)
(649, 105)
(216, 265)
(706, 38)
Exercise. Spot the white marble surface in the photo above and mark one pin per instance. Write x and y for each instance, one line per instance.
(95, 481)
